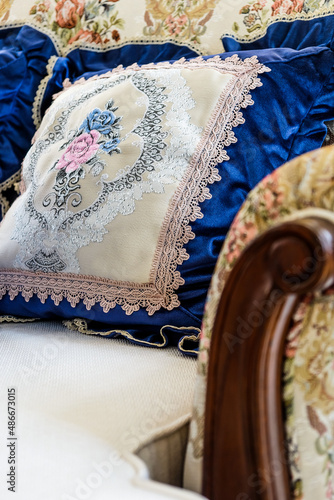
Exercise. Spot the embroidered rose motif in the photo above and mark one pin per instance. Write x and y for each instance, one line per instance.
(68, 12)
(85, 21)
(115, 35)
(45, 6)
(86, 36)
(250, 20)
(102, 121)
(79, 151)
(287, 7)
(175, 24)
(110, 146)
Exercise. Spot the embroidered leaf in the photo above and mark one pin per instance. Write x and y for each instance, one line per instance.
(320, 448)
(107, 7)
(315, 421)
(206, 18)
(89, 15)
(254, 28)
(148, 19)
(119, 22)
(235, 27)
(54, 27)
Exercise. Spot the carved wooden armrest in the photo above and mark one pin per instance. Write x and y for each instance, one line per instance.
(244, 450)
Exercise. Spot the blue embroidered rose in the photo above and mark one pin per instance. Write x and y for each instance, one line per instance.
(110, 146)
(102, 121)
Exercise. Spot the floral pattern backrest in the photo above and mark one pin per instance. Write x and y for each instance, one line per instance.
(97, 33)
(305, 183)
(200, 24)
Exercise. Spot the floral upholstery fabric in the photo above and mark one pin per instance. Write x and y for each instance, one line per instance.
(306, 182)
(199, 24)
(111, 23)
(279, 23)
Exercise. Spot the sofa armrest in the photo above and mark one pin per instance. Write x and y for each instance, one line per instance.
(244, 448)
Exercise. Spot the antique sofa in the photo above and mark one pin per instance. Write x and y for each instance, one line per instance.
(150, 124)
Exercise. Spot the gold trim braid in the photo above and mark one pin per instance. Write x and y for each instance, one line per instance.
(37, 104)
(81, 325)
(12, 182)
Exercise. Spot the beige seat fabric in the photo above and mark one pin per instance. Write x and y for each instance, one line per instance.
(81, 398)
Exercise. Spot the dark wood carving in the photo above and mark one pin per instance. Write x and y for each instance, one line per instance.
(245, 450)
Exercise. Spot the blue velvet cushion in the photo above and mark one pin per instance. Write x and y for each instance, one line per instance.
(286, 120)
(24, 54)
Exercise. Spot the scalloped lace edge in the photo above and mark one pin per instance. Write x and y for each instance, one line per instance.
(8, 183)
(183, 209)
(38, 99)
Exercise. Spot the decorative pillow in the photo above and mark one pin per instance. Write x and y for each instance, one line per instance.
(297, 24)
(92, 35)
(24, 55)
(116, 225)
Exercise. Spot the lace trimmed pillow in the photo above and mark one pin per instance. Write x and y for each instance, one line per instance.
(112, 183)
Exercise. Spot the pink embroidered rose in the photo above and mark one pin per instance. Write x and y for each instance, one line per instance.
(86, 36)
(286, 7)
(68, 12)
(205, 343)
(257, 6)
(79, 151)
(175, 24)
(203, 357)
(45, 6)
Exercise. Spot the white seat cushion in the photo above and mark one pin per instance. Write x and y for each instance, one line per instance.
(78, 400)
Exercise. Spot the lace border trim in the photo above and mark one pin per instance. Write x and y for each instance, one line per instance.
(37, 104)
(297, 16)
(183, 209)
(16, 319)
(81, 325)
(7, 184)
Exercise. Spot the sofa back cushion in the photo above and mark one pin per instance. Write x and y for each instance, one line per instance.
(279, 23)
